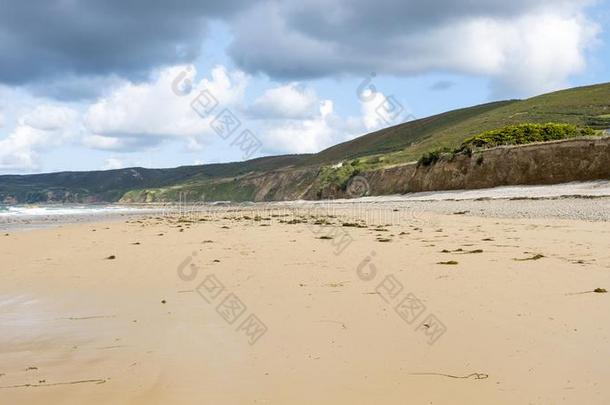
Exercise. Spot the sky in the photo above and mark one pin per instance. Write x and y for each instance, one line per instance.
(96, 85)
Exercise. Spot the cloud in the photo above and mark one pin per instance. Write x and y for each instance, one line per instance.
(540, 52)
(314, 129)
(290, 101)
(132, 117)
(51, 118)
(19, 150)
(139, 115)
(310, 135)
(73, 50)
(120, 86)
(113, 164)
(288, 118)
(523, 46)
(73, 87)
(122, 144)
(129, 38)
(379, 110)
(45, 127)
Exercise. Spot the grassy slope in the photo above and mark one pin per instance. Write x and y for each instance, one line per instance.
(407, 142)
(402, 136)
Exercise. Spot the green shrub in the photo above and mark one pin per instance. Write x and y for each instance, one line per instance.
(430, 158)
(511, 135)
(339, 176)
(524, 134)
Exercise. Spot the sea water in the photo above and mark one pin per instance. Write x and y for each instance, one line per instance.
(39, 216)
(27, 211)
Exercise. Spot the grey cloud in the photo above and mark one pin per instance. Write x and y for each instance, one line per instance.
(52, 38)
(45, 43)
(73, 87)
(317, 38)
(357, 19)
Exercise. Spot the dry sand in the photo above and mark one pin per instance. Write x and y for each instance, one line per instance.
(496, 327)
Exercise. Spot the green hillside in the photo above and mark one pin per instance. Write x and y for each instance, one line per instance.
(583, 106)
(402, 136)
(111, 185)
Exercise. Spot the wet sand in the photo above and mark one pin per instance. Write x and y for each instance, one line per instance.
(300, 309)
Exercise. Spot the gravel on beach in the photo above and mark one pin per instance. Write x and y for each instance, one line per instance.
(584, 209)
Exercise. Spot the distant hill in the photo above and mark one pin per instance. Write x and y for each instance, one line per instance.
(111, 185)
(295, 174)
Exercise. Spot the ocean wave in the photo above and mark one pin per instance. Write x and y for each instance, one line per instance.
(37, 211)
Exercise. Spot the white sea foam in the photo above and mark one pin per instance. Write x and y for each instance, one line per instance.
(23, 211)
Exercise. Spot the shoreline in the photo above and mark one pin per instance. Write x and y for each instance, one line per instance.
(586, 208)
(33, 222)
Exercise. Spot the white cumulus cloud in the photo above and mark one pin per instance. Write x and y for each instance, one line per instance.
(113, 164)
(311, 134)
(291, 101)
(44, 127)
(147, 113)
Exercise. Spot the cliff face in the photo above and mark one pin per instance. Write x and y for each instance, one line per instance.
(276, 185)
(283, 185)
(550, 163)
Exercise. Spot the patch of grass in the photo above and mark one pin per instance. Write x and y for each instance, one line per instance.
(339, 177)
(525, 133)
(430, 158)
(520, 134)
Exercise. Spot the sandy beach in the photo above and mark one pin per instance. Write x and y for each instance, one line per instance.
(270, 307)
(304, 202)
